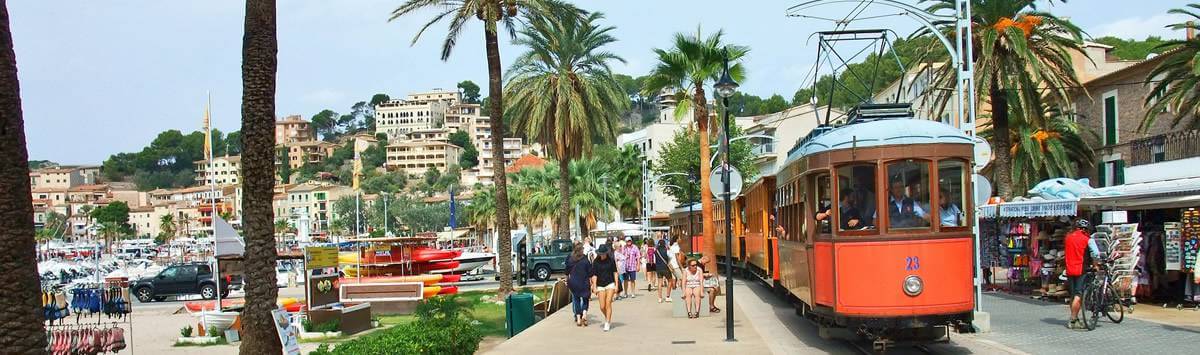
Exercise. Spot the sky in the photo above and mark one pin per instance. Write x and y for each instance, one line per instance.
(102, 77)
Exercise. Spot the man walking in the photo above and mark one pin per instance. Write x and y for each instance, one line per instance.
(1076, 245)
(632, 262)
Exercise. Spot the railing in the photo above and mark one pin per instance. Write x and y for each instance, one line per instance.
(1165, 147)
(764, 149)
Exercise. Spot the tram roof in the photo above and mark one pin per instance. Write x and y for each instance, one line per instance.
(879, 132)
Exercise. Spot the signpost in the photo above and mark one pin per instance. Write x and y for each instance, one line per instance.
(717, 182)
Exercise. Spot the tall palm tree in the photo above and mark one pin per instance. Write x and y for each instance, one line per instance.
(1051, 147)
(685, 70)
(1022, 62)
(1177, 89)
(166, 226)
(591, 195)
(562, 93)
(259, 66)
(481, 212)
(493, 14)
(535, 195)
(21, 327)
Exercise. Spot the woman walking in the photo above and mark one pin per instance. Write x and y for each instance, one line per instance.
(648, 252)
(604, 281)
(579, 281)
(662, 267)
(693, 288)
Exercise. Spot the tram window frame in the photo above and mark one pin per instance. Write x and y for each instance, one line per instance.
(887, 185)
(824, 228)
(864, 218)
(964, 183)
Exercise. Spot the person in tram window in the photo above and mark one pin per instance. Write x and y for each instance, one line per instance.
(823, 216)
(916, 191)
(864, 192)
(950, 214)
(851, 217)
(903, 211)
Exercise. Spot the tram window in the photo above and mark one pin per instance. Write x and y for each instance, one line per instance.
(824, 204)
(952, 177)
(908, 194)
(856, 196)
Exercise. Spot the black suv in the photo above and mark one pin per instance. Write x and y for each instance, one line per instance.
(179, 279)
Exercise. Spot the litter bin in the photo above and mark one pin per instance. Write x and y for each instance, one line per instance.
(518, 313)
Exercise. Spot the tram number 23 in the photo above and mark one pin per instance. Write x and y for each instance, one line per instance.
(912, 263)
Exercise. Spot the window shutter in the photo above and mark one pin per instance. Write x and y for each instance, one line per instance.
(1119, 173)
(1100, 174)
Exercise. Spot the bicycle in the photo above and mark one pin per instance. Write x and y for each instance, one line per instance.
(1101, 297)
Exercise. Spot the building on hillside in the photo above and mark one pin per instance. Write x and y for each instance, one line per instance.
(416, 157)
(293, 129)
(1114, 109)
(361, 141)
(513, 149)
(312, 152)
(787, 127)
(422, 110)
(57, 178)
(88, 194)
(147, 221)
(311, 202)
(432, 134)
(223, 170)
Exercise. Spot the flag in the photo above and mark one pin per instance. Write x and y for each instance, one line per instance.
(207, 132)
(453, 223)
(357, 170)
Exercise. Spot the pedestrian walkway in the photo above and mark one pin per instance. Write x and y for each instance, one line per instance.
(640, 326)
(1040, 327)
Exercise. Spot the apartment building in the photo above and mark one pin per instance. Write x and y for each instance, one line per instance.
(56, 178)
(416, 157)
(433, 134)
(418, 111)
(513, 150)
(300, 153)
(311, 202)
(293, 129)
(223, 170)
(785, 129)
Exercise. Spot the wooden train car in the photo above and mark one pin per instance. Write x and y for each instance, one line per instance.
(687, 225)
(761, 246)
(738, 232)
(874, 226)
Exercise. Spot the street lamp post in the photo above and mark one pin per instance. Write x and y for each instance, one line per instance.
(725, 88)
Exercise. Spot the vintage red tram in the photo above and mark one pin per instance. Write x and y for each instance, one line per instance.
(875, 226)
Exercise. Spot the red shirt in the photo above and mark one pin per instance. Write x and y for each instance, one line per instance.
(1076, 244)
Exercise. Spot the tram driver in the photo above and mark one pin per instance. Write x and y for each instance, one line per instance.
(904, 211)
(850, 215)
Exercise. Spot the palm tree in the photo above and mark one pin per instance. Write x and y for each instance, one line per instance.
(1178, 90)
(1051, 147)
(493, 14)
(21, 318)
(563, 93)
(589, 193)
(623, 168)
(259, 66)
(109, 230)
(535, 195)
(481, 212)
(166, 226)
(686, 69)
(1022, 61)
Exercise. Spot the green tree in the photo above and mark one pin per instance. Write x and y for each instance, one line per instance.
(116, 213)
(687, 68)
(470, 91)
(374, 156)
(233, 143)
(773, 104)
(259, 67)
(681, 156)
(325, 123)
(1132, 49)
(1022, 62)
(369, 120)
(374, 182)
(470, 155)
(623, 168)
(166, 227)
(1178, 92)
(285, 165)
(860, 80)
(1045, 148)
(563, 93)
(493, 14)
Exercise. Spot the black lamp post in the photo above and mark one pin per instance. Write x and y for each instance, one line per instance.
(725, 88)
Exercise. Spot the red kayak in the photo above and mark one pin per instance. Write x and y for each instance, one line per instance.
(196, 306)
(294, 307)
(436, 266)
(448, 290)
(450, 278)
(430, 254)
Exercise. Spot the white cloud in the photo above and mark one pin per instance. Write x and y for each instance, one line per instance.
(1140, 27)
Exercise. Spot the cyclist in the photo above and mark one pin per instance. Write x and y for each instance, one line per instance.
(1076, 243)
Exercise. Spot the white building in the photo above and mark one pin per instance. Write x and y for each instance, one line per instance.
(418, 156)
(786, 128)
(422, 110)
(223, 170)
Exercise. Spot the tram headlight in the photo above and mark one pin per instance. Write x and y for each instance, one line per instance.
(913, 285)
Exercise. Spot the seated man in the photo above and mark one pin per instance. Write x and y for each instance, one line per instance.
(949, 213)
(904, 212)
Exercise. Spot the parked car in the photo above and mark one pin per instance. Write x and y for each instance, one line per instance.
(178, 280)
(552, 259)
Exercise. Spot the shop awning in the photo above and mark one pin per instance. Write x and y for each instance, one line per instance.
(1031, 208)
(1175, 193)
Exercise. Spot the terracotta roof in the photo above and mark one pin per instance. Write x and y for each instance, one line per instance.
(48, 190)
(92, 187)
(142, 209)
(525, 161)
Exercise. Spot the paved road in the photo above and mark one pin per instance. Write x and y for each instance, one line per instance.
(1040, 327)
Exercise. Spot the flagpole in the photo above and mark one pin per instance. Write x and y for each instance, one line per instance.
(212, 184)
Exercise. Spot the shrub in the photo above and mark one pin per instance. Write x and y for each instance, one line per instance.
(443, 326)
(186, 331)
(330, 326)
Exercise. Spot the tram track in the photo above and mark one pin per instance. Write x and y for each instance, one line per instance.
(864, 347)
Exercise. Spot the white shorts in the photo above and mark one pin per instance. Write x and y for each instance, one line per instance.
(611, 286)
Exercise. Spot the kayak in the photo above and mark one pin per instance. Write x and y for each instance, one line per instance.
(401, 269)
(428, 280)
(448, 290)
(450, 278)
(430, 254)
(430, 291)
(294, 307)
(286, 301)
(196, 306)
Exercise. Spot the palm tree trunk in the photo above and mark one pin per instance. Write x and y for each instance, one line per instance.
(564, 202)
(496, 121)
(700, 110)
(21, 329)
(1001, 141)
(259, 66)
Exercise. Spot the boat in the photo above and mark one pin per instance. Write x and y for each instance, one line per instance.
(428, 280)
(220, 320)
(448, 290)
(430, 291)
(197, 306)
(450, 278)
(469, 261)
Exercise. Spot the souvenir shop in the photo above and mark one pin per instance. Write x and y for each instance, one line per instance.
(88, 318)
(1022, 246)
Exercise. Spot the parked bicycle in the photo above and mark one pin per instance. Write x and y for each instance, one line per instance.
(1101, 297)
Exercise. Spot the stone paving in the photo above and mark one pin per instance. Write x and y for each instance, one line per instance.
(1039, 327)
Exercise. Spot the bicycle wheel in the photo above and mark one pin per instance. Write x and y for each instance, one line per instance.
(1115, 310)
(1090, 309)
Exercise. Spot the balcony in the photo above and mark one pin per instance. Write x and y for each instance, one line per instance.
(764, 149)
(1166, 156)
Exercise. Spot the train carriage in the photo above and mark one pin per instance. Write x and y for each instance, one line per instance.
(686, 224)
(759, 236)
(738, 232)
(873, 224)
